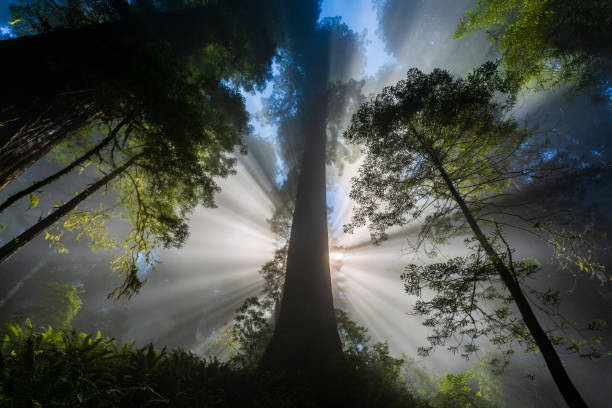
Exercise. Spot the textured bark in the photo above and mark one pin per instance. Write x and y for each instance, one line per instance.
(33, 131)
(306, 333)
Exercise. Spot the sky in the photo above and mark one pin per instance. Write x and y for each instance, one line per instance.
(360, 16)
(4, 17)
(192, 294)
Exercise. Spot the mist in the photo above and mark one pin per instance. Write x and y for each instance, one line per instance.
(191, 293)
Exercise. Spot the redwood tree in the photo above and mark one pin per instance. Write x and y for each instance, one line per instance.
(306, 334)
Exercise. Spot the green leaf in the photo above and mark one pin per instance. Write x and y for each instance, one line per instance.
(33, 200)
(597, 324)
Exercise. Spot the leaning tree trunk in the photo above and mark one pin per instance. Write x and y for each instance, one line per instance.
(57, 175)
(306, 333)
(555, 365)
(51, 81)
(24, 238)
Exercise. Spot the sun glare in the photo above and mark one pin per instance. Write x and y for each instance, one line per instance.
(336, 256)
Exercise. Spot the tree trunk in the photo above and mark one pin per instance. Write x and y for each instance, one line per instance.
(22, 240)
(55, 176)
(555, 366)
(31, 130)
(306, 333)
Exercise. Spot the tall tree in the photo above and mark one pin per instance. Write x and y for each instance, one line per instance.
(438, 148)
(59, 80)
(306, 335)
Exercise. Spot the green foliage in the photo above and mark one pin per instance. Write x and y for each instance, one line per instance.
(464, 299)
(56, 306)
(547, 43)
(403, 376)
(468, 301)
(426, 123)
(33, 200)
(61, 304)
(455, 391)
(182, 145)
(67, 369)
(251, 332)
(475, 388)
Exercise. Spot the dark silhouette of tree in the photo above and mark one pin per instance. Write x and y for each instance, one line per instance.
(305, 335)
(62, 79)
(437, 148)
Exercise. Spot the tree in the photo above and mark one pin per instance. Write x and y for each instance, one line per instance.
(438, 148)
(56, 307)
(548, 43)
(62, 303)
(306, 336)
(160, 174)
(60, 80)
(469, 301)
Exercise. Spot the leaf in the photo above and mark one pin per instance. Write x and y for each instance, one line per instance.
(33, 200)
(15, 21)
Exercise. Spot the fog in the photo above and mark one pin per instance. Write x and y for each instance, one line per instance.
(192, 292)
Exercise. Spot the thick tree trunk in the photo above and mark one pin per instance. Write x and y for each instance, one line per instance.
(22, 240)
(555, 366)
(50, 81)
(306, 333)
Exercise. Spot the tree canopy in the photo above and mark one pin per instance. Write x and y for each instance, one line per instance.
(461, 123)
(546, 43)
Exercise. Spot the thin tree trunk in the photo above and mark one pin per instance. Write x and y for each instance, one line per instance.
(34, 187)
(22, 240)
(555, 366)
(306, 333)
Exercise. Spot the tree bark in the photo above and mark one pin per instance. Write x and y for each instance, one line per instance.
(55, 176)
(32, 130)
(553, 362)
(306, 333)
(22, 240)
